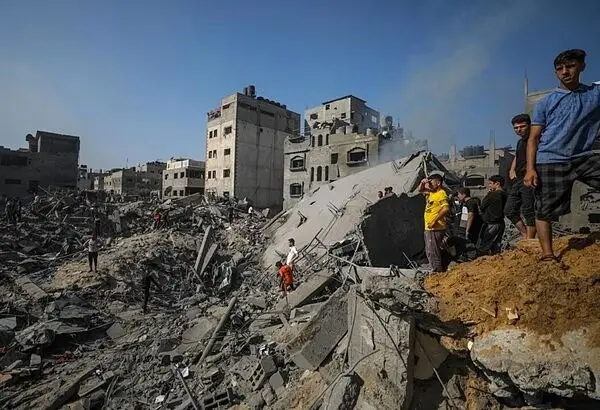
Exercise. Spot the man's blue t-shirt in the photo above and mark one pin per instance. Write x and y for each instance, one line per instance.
(570, 121)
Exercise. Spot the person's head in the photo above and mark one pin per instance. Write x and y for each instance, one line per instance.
(380, 194)
(291, 242)
(435, 180)
(495, 183)
(568, 66)
(521, 124)
(94, 236)
(463, 193)
(278, 264)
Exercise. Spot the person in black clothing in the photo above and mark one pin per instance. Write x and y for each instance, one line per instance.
(492, 213)
(520, 197)
(147, 280)
(470, 218)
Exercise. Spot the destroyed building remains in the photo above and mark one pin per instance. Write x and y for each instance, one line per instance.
(50, 160)
(361, 330)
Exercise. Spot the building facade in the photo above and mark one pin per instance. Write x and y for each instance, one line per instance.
(245, 136)
(183, 177)
(475, 164)
(348, 111)
(138, 181)
(50, 161)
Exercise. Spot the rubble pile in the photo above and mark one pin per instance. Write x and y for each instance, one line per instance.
(535, 326)
(363, 329)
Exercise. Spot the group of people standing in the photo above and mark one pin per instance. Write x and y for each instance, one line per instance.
(555, 149)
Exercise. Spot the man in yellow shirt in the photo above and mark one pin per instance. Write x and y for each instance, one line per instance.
(436, 210)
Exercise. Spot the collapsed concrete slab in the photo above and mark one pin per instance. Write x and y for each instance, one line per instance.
(306, 290)
(322, 333)
(335, 209)
(537, 364)
(403, 292)
(381, 349)
(30, 288)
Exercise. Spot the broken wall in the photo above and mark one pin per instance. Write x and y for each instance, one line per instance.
(394, 227)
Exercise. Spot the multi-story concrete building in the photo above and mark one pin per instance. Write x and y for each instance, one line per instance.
(245, 135)
(50, 161)
(149, 177)
(140, 180)
(347, 111)
(183, 177)
(476, 164)
(335, 152)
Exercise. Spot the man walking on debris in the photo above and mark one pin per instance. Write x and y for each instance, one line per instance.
(520, 197)
(147, 280)
(292, 254)
(286, 277)
(93, 246)
(564, 126)
(436, 210)
(492, 212)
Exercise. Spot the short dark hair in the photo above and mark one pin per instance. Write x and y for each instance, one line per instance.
(574, 54)
(292, 240)
(517, 119)
(497, 179)
(437, 177)
(278, 264)
(464, 190)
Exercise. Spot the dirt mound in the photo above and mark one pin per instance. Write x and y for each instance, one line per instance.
(550, 298)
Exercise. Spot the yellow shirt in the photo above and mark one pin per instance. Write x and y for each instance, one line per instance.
(436, 202)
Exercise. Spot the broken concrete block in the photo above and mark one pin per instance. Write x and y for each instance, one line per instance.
(201, 330)
(343, 395)
(265, 368)
(376, 329)
(268, 395)
(400, 291)
(221, 400)
(260, 303)
(307, 290)
(322, 333)
(27, 286)
(116, 331)
(278, 380)
(9, 323)
(35, 360)
(6, 336)
(429, 354)
(172, 356)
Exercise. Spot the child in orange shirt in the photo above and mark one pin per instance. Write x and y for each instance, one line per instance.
(286, 277)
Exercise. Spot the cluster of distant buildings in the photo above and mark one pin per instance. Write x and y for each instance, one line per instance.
(255, 149)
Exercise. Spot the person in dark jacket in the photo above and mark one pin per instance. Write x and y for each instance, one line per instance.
(492, 213)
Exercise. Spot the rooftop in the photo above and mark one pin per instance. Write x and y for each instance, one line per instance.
(343, 98)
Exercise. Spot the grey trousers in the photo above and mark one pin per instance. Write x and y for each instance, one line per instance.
(433, 249)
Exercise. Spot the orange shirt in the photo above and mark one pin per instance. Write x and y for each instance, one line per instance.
(285, 272)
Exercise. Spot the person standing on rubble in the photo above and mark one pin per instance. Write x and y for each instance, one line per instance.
(436, 210)
(470, 217)
(9, 211)
(492, 213)
(93, 246)
(292, 255)
(286, 277)
(18, 210)
(520, 197)
(564, 126)
(148, 280)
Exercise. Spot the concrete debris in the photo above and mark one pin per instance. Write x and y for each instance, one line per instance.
(213, 331)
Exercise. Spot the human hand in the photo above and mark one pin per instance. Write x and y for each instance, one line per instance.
(531, 178)
(512, 174)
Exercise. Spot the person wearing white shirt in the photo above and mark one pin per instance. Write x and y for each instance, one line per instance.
(292, 253)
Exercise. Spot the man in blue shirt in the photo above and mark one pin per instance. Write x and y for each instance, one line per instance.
(564, 126)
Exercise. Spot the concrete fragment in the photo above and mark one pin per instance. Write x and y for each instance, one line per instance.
(116, 331)
(35, 360)
(265, 368)
(374, 329)
(322, 333)
(206, 239)
(278, 380)
(307, 290)
(258, 302)
(27, 286)
(343, 395)
(533, 363)
(172, 356)
(208, 258)
(6, 336)
(403, 292)
(429, 354)
(268, 395)
(200, 331)
(54, 400)
(9, 323)
(255, 401)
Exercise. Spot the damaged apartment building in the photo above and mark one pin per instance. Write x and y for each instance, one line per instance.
(183, 177)
(245, 136)
(138, 181)
(341, 137)
(50, 161)
(475, 164)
